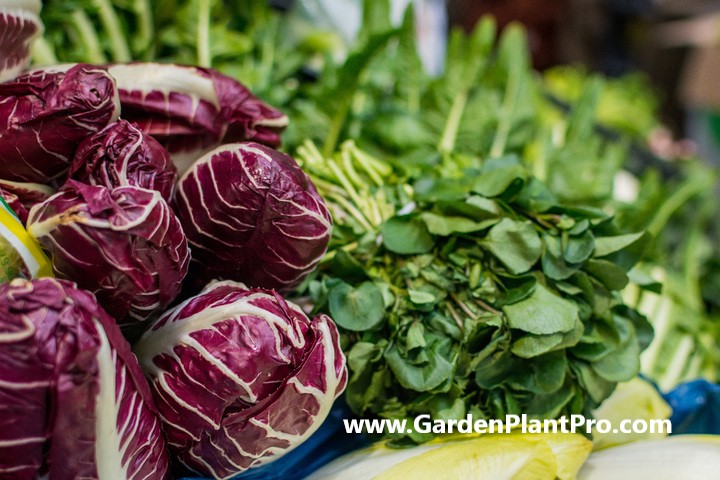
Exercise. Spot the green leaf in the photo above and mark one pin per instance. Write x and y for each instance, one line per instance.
(516, 244)
(406, 236)
(597, 387)
(612, 276)
(498, 175)
(445, 225)
(579, 248)
(533, 345)
(553, 262)
(360, 355)
(415, 336)
(542, 313)
(536, 196)
(421, 378)
(607, 245)
(623, 362)
(543, 374)
(345, 266)
(431, 189)
(357, 309)
(518, 288)
(419, 297)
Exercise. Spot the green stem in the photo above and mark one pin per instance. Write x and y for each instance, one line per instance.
(691, 275)
(325, 186)
(349, 247)
(377, 169)
(203, 34)
(346, 184)
(336, 125)
(146, 30)
(267, 54)
(111, 23)
(88, 37)
(678, 198)
(352, 211)
(463, 306)
(43, 52)
(503, 131)
(452, 124)
(352, 174)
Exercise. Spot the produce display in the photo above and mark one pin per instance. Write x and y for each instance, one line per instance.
(253, 224)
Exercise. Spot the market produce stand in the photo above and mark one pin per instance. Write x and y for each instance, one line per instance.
(227, 233)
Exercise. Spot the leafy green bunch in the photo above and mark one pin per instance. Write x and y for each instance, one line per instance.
(264, 48)
(478, 294)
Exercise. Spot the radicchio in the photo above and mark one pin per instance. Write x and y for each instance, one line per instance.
(191, 108)
(240, 377)
(121, 154)
(20, 24)
(45, 114)
(123, 244)
(74, 401)
(252, 215)
(22, 196)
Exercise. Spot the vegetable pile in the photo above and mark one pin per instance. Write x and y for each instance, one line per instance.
(246, 203)
(233, 377)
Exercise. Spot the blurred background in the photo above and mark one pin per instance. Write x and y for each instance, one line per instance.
(674, 42)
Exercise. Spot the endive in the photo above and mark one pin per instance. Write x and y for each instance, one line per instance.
(499, 456)
(695, 457)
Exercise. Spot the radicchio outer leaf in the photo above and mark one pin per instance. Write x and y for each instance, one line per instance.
(45, 114)
(240, 377)
(74, 401)
(22, 196)
(121, 154)
(191, 108)
(123, 244)
(20, 24)
(252, 215)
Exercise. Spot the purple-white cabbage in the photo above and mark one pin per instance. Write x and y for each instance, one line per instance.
(46, 113)
(252, 215)
(123, 244)
(240, 377)
(22, 196)
(20, 24)
(74, 401)
(190, 109)
(121, 154)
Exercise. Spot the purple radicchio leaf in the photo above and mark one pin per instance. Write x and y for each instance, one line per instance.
(46, 113)
(252, 215)
(20, 24)
(192, 109)
(22, 196)
(123, 244)
(75, 403)
(240, 377)
(121, 154)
